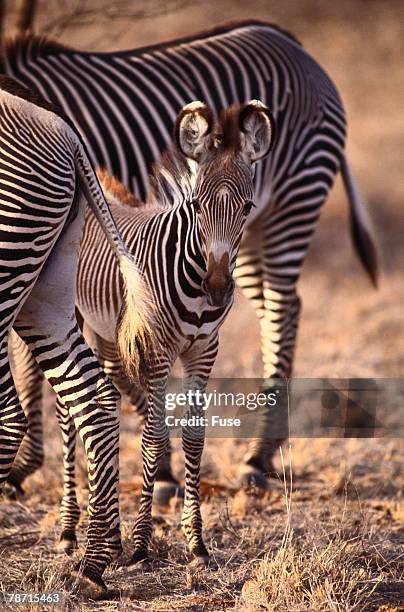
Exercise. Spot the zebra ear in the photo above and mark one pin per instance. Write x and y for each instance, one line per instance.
(193, 124)
(258, 126)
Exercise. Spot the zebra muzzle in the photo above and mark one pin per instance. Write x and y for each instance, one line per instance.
(218, 284)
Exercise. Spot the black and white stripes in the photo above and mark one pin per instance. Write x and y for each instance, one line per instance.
(44, 171)
(126, 102)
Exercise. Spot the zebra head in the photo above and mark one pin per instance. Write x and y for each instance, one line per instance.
(224, 152)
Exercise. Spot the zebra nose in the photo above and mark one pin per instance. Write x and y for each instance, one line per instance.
(218, 289)
(218, 283)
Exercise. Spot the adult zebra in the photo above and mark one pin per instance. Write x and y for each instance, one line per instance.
(45, 180)
(126, 103)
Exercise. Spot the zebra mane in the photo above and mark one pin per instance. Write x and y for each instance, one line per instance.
(171, 179)
(116, 190)
(228, 129)
(40, 45)
(32, 45)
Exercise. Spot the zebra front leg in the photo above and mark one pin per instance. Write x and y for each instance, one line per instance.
(47, 323)
(69, 507)
(197, 364)
(154, 444)
(28, 380)
(166, 486)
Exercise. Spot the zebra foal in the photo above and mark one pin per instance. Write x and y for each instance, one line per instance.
(45, 181)
(186, 239)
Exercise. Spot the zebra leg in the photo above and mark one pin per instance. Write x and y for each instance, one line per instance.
(47, 323)
(28, 380)
(272, 272)
(197, 366)
(166, 486)
(69, 507)
(13, 423)
(249, 276)
(91, 400)
(154, 444)
(278, 335)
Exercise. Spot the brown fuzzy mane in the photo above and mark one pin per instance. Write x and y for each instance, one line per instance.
(38, 45)
(228, 128)
(117, 189)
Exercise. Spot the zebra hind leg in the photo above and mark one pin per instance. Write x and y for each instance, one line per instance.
(47, 323)
(167, 487)
(257, 465)
(281, 323)
(91, 401)
(28, 378)
(277, 307)
(13, 423)
(69, 507)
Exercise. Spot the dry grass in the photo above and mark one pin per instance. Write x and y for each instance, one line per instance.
(337, 563)
(332, 540)
(327, 572)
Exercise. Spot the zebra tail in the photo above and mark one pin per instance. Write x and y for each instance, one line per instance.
(136, 340)
(361, 226)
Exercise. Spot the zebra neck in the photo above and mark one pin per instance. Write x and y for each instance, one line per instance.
(170, 236)
(190, 242)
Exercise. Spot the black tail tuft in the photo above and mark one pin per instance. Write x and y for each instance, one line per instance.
(365, 249)
(361, 226)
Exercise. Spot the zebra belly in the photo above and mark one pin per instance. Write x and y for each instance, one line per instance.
(100, 323)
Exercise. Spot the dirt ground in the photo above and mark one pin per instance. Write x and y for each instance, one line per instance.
(330, 535)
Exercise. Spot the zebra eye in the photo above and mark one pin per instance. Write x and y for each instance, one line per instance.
(247, 207)
(195, 203)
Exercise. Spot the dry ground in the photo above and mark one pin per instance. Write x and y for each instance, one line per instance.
(330, 537)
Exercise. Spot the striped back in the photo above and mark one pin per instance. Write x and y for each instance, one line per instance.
(126, 102)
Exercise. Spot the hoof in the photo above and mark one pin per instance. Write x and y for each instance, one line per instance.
(200, 562)
(165, 491)
(118, 553)
(139, 556)
(13, 490)
(66, 545)
(89, 584)
(252, 479)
